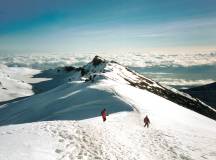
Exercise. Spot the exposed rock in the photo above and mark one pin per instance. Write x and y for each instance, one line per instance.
(69, 68)
(98, 60)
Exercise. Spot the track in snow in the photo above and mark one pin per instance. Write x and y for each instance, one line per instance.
(113, 139)
(121, 137)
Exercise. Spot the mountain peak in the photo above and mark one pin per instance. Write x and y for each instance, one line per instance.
(100, 71)
(98, 60)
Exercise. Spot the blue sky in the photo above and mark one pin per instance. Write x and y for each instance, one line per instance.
(85, 26)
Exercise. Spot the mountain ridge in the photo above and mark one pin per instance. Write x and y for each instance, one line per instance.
(63, 121)
(88, 89)
(169, 93)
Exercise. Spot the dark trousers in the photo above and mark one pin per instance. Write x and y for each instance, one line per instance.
(146, 124)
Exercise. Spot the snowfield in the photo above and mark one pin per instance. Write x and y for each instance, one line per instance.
(64, 122)
(16, 82)
(122, 137)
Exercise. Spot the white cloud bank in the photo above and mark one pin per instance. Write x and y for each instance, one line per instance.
(129, 59)
(133, 60)
(183, 82)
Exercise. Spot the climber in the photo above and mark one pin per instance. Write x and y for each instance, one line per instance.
(146, 121)
(103, 114)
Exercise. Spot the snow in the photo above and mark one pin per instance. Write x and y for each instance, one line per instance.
(24, 142)
(65, 123)
(121, 137)
(16, 82)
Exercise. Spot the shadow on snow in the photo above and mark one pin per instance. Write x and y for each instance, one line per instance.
(66, 102)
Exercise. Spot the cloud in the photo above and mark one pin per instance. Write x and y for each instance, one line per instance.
(44, 62)
(150, 60)
(133, 60)
(183, 82)
(167, 66)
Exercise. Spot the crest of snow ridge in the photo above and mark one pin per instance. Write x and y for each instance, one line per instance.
(100, 66)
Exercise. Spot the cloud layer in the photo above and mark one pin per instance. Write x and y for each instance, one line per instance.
(169, 69)
(132, 60)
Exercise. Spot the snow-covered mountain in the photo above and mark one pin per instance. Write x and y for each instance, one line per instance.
(12, 86)
(79, 94)
(17, 83)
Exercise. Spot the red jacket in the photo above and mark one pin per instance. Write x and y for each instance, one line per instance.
(103, 113)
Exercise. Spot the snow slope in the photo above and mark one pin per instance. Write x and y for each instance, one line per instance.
(10, 87)
(175, 132)
(16, 82)
(121, 137)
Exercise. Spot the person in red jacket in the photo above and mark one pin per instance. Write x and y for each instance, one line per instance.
(146, 121)
(103, 114)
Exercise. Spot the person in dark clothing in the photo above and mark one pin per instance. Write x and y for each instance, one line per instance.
(146, 121)
(104, 114)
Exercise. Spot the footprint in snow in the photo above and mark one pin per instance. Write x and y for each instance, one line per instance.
(58, 151)
(61, 140)
(8, 132)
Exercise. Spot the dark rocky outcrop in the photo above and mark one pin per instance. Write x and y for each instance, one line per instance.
(98, 60)
(69, 68)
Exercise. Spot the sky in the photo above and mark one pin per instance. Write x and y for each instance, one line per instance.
(107, 26)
